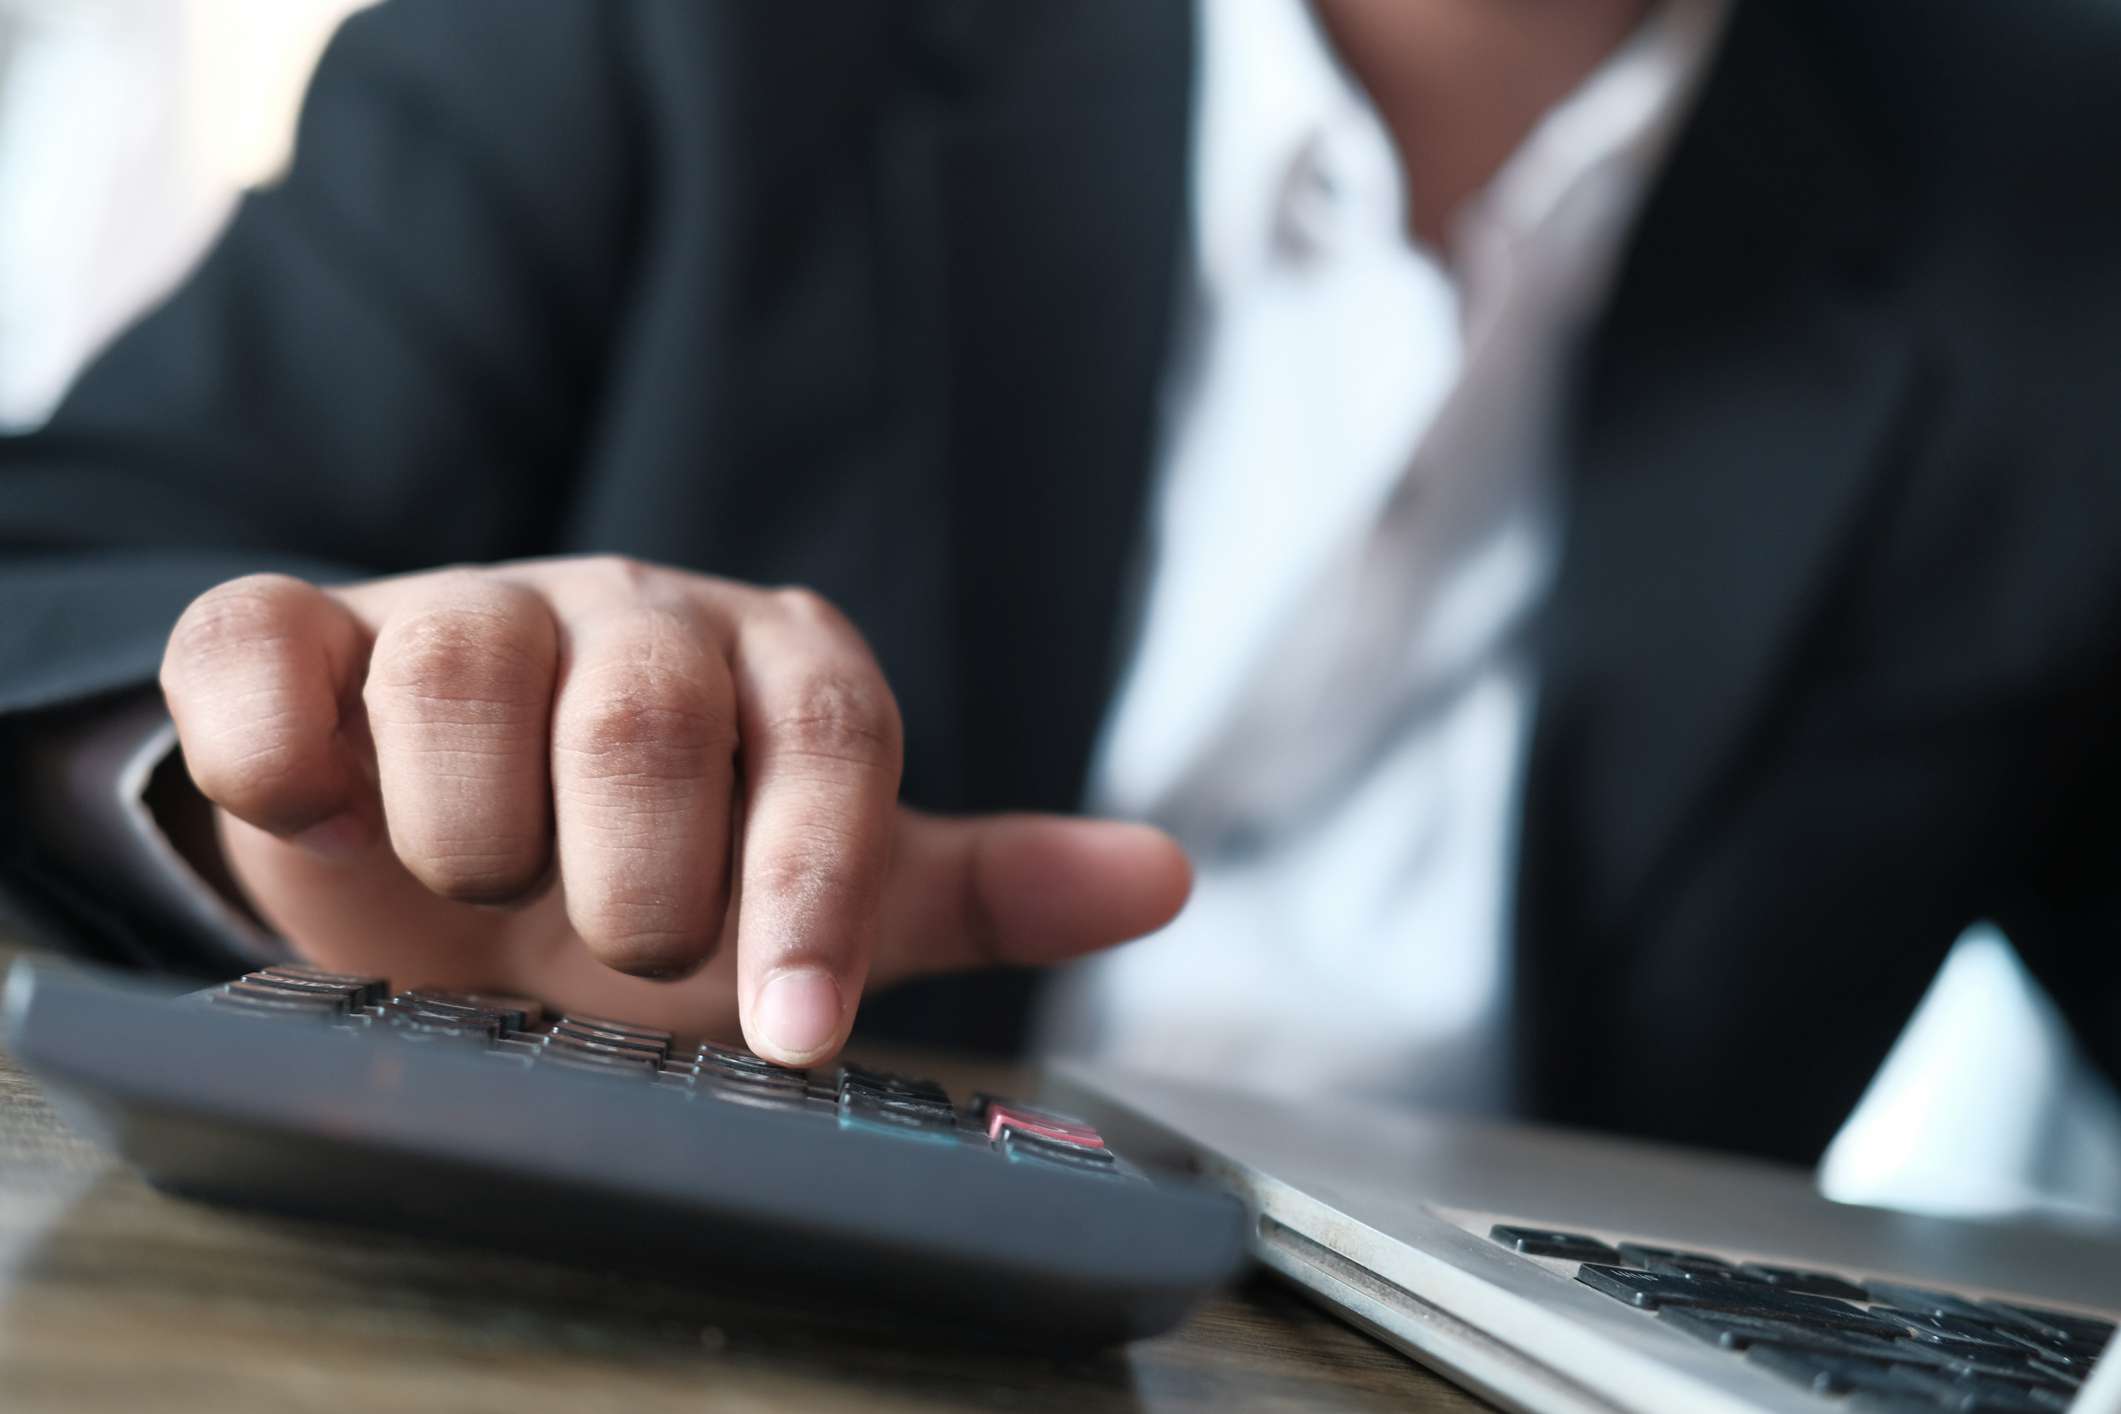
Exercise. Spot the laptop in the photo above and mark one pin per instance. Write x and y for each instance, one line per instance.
(1554, 1271)
(1546, 1271)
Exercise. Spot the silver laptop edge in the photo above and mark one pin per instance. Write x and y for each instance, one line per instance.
(1382, 1216)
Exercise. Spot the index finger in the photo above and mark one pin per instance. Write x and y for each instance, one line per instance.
(821, 746)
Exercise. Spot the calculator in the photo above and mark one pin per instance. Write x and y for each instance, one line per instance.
(500, 1121)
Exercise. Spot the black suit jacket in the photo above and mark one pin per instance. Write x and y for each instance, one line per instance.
(878, 297)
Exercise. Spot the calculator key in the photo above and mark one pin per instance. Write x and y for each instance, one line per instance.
(331, 1003)
(923, 1121)
(1040, 1122)
(516, 1013)
(368, 990)
(249, 1004)
(715, 1053)
(624, 1028)
(1030, 1148)
(303, 986)
(572, 1034)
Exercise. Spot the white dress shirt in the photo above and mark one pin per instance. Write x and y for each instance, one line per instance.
(1354, 523)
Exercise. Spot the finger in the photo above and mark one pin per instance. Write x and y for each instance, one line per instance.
(459, 693)
(259, 675)
(1023, 890)
(643, 766)
(822, 750)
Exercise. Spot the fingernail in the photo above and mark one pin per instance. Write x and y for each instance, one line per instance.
(799, 1012)
(340, 837)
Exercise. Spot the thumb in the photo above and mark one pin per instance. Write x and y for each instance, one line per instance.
(1021, 890)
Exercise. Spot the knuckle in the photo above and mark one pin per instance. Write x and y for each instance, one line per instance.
(629, 577)
(836, 716)
(805, 605)
(253, 740)
(479, 653)
(243, 616)
(655, 717)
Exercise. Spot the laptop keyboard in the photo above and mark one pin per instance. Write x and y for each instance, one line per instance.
(1876, 1345)
(520, 1035)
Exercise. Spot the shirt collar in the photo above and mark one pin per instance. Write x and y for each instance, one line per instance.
(1292, 159)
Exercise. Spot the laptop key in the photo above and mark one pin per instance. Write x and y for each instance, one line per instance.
(1733, 1331)
(1547, 1242)
(1929, 1326)
(1651, 1291)
(1844, 1374)
(1993, 1397)
(2054, 1340)
(1805, 1283)
(1927, 1302)
(2085, 1329)
(1672, 1261)
(1960, 1401)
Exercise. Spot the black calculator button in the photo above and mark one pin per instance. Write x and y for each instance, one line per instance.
(249, 1003)
(607, 1036)
(579, 1038)
(623, 1028)
(515, 1013)
(1030, 1148)
(368, 990)
(716, 1053)
(304, 986)
(280, 993)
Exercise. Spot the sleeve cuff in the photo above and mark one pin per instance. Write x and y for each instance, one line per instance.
(90, 784)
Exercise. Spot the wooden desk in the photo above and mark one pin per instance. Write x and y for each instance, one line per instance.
(114, 1297)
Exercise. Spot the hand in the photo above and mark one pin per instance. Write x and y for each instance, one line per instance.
(583, 779)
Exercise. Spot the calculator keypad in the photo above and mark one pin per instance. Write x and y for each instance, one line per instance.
(521, 1034)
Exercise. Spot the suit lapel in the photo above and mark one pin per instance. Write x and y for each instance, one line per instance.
(1737, 401)
(1060, 147)
(1034, 179)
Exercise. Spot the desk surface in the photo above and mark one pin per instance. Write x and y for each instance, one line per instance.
(114, 1297)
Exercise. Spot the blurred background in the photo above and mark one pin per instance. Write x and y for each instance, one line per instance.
(128, 130)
